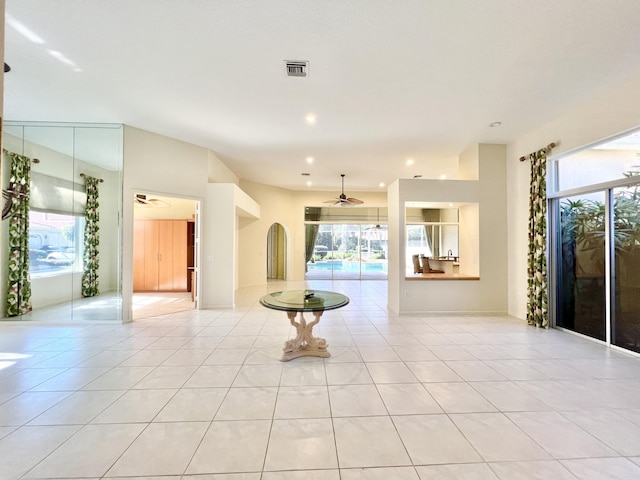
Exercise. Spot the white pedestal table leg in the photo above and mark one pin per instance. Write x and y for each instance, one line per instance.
(305, 344)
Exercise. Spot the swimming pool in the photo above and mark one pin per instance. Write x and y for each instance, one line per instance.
(348, 266)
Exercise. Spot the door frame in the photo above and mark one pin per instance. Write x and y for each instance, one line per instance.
(127, 296)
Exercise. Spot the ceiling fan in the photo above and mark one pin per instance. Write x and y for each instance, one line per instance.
(342, 200)
(141, 200)
(378, 225)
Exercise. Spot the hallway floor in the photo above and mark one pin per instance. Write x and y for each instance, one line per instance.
(203, 395)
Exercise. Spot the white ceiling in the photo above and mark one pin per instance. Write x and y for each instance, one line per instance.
(388, 80)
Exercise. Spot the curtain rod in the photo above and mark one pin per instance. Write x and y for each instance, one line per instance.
(84, 175)
(546, 149)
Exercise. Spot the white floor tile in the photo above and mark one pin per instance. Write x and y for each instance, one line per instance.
(250, 403)
(497, 439)
(434, 439)
(136, 406)
(300, 444)
(232, 446)
(603, 468)
(258, 376)
(79, 408)
(161, 449)
(302, 475)
(210, 376)
(355, 400)
(302, 402)
(27, 406)
(509, 397)
(93, 450)
(24, 448)
(304, 373)
(347, 374)
(461, 471)
(390, 372)
(192, 405)
(390, 473)
(609, 427)
(368, 442)
(444, 393)
(408, 399)
(474, 371)
(560, 437)
(537, 470)
(433, 371)
(458, 397)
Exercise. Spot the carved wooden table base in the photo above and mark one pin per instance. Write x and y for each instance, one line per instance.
(305, 344)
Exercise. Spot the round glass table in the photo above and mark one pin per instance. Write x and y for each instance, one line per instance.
(298, 301)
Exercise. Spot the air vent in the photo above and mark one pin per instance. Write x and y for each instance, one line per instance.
(297, 68)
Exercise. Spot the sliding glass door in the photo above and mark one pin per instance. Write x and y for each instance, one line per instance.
(344, 251)
(595, 242)
(581, 265)
(625, 318)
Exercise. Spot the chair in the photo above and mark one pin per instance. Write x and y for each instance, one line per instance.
(426, 268)
(416, 264)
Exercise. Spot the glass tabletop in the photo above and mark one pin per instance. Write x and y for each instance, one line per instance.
(304, 300)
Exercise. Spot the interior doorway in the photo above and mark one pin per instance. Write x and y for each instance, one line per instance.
(165, 255)
(276, 252)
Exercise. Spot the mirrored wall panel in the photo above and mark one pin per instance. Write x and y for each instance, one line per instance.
(62, 204)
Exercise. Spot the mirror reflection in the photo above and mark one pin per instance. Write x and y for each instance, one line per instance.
(61, 233)
(432, 236)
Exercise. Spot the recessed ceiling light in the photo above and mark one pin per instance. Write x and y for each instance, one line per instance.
(410, 161)
(381, 184)
(308, 183)
(495, 124)
(443, 177)
(311, 118)
(309, 160)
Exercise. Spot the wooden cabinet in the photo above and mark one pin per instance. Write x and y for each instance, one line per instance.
(160, 256)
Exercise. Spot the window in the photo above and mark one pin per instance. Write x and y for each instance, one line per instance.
(55, 243)
(345, 243)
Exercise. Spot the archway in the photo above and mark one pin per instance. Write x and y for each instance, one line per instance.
(276, 252)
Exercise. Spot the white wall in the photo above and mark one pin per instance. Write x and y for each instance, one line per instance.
(164, 166)
(483, 244)
(219, 172)
(613, 113)
(225, 205)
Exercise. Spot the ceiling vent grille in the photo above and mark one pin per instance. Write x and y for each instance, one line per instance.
(296, 68)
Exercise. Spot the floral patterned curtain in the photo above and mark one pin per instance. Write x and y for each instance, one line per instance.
(537, 313)
(19, 281)
(90, 284)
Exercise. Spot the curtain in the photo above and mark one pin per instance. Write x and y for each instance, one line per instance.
(537, 313)
(311, 234)
(90, 284)
(432, 234)
(19, 281)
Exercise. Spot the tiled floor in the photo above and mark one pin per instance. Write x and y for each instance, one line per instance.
(202, 394)
(153, 304)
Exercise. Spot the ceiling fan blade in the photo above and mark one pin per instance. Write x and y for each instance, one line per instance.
(342, 200)
(158, 203)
